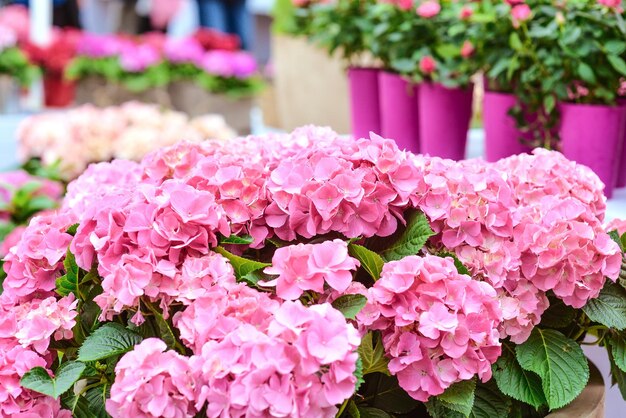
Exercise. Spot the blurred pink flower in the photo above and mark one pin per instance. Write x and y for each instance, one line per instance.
(427, 65)
(466, 12)
(467, 49)
(428, 9)
(136, 58)
(520, 13)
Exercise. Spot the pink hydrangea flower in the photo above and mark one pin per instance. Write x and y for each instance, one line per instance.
(428, 9)
(520, 13)
(136, 58)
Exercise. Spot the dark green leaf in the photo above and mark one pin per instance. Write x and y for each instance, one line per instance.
(109, 340)
(68, 283)
(609, 308)
(77, 404)
(489, 402)
(412, 239)
(383, 392)
(560, 363)
(558, 315)
(369, 412)
(618, 63)
(72, 229)
(349, 305)
(515, 43)
(97, 397)
(516, 382)
(370, 261)
(459, 397)
(39, 380)
(164, 328)
(586, 73)
(372, 353)
(242, 266)
(617, 376)
(614, 47)
(617, 344)
(353, 410)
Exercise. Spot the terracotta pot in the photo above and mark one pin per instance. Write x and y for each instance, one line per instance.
(590, 403)
(188, 97)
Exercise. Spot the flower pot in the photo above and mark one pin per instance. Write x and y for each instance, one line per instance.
(188, 97)
(502, 138)
(590, 403)
(9, 95)
(621, 175)
(398, 110)
(102, 93)
(592, 135)
(364, 101)
(58, 92)
(444, 119)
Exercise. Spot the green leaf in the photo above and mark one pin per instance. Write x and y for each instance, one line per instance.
(618, 349)
(369, 412)
(609, 308)
(558, 315)
(615, 237)
(370, 261)
(372, 353)
(349, 305)
(614, 47)
(586, 73)
(353, 410)
(617, 375)
(618, 63)
(68, 283)
(459, 397)
(438, 409)
(97, 397)
(78, 405)
(448, 51)
(515, 42)
(489, 402)
(238, 240)
(109, 340)
(560, 363)
(39, 380)
(412, 239)
(516, 382)
(383, 392)
(549, 103)
(242, 266)
(460, 267)
(72, 229)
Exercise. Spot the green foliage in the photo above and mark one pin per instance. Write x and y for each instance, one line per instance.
(516, 382)
(458, 399)
(411, 241)
(559, 362)
(237, 240)
(111, 339)
(66, 375)
(372, 354)
(370, 261)
(490, 402)
(69, 282)
(14, 63)
(609, 308)
(382, 392)
(349, 305)
(243, 267)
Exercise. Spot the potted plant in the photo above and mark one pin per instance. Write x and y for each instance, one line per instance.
(15, 70)
(313, 275)
(113, 70)
(215, 81)
(346, 27)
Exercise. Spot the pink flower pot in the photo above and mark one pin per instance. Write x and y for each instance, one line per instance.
(592, 135)
(621, 175)
(399, 110)
(502, 138)
(444, 119)
(364, 104)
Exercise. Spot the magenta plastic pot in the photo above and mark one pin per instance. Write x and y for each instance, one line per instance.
(399, 111)
(364, 103)
(621, 174)
(444, 119)
(502, 138)
(592, 135)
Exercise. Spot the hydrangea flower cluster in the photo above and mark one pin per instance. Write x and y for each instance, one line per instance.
(129, 131)
(151, 231)
(438, 326)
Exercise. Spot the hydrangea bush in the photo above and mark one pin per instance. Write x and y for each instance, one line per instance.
(311, 275)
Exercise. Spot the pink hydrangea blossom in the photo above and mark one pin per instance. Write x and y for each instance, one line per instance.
(520, 13)
(136, 58)
(428, 9)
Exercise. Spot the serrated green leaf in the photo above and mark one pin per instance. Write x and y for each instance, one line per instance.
(164, 328)
(97, 398)
(609, 308)
(459, 397)
(370, 261)
(350, 305)
(514, 381)
(618, 349)
(617, 63)
(560, 363)
(412, 239)
(618, 377)
(372, 353)
(369, 412)
(353, 410)
(109, 340)
(438, 409)
(489, 402)
(237, 240)
(77, 404)
(39, 380)
(242, 266)
(586, 73)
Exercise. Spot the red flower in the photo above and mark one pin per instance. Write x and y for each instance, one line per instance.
(211, 39)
